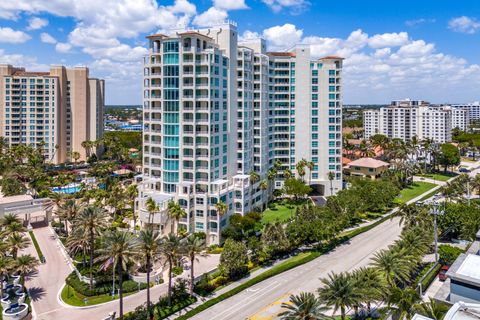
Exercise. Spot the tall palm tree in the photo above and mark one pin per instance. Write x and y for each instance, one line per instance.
(221, 207)
(8, 219)
(339, 292)
(254, 177)
(432, 309)
(331, 177)
(287, 174)
(264, 186)
(17, 242)
(25, 264)
(402, 302)
(14, 228)
(392, 265)
(78, 241)
(67, 211)
(171, 249)
(300, 166)
(120, 247)
(310, 165)
(132, 194)
(193, 246)
(152, 208)
(92, 220)
(6, 264)
(175, 213)
(304, 306)
(149, 242)
(371, 285)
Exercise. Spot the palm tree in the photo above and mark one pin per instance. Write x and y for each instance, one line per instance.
(402, 302)
(25, 264)
(120, 247)
(14, 228)
(310, 165)
(369, 282)
(171, 248)
(221, 207)
(92, 220)
(432, 309)
(149, 244)
(264, 186)
(392, 265)
(304, 306)
(75, 156)
(6, 264)
(254, 177)
(331, 177)
(175, 213)
(8, 219)
(152, 208)
(287, 174)
(132, 194)
(193, 246)
(301, 168)
(339, 292)
(68, 210)
(78, 241)
(412, 215)
(16, 242)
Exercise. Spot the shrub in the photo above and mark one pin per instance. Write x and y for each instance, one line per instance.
(99, 288)
(448, 254)
(177, 270)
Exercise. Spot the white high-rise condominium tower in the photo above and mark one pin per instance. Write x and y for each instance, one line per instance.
(216, 110)
(405, 119)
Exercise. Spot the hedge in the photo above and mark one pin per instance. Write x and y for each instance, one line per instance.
(37, 247)
(430, 277)
(160, 312)
(98, 289)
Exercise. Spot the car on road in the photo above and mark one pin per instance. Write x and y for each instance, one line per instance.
(464, 170)
(442, 275)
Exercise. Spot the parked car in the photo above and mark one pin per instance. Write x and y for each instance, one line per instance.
(464, 170)
(442, 275)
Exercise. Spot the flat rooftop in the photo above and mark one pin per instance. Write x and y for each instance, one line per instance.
(466, 269)
(13, 199)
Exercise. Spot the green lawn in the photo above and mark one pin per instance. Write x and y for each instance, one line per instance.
(282, 212)
(69, 296)
(440, 176)
(414, 190)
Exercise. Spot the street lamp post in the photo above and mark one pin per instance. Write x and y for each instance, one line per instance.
(436, 210)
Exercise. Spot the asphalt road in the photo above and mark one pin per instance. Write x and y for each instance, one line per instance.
(263, 300)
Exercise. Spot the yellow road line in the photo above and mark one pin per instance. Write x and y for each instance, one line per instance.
(257, 316)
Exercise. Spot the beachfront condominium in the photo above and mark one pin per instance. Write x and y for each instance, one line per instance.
(473, 110)
(405, 119)
(58, 109)
(216, 110)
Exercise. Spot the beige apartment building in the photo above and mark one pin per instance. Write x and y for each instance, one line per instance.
(60, 108)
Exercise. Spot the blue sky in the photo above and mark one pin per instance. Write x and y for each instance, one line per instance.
(394, 49)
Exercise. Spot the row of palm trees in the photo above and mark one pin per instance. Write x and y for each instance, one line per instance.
(388, 279)
(13, 237)
(91, 234)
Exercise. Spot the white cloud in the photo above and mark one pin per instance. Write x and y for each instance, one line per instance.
(417, 22)
(8, 35)
(47, 38)
(21, 60)
(464, 25)
(63, 47)
(388, 40)
(229, 4)
(210, 17)
(36, 23)
(295, 6)
(249, 35)
(282, 37)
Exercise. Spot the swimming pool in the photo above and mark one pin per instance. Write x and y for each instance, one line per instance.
(68, 189)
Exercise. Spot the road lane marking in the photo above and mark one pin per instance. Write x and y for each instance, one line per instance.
(256, 315)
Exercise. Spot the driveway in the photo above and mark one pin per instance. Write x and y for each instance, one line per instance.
(46, 284)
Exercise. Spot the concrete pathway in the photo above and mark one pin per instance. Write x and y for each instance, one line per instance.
(45, 286)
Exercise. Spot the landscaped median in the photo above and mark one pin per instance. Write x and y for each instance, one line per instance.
(41, 257)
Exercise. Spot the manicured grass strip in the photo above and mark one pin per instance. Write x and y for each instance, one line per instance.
(291, 263)
(37, 247)
(429, 195)
(355, 232)
(73, 298)
(439, 176)
(413, 191)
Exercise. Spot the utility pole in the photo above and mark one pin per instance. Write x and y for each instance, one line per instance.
(436, 210)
